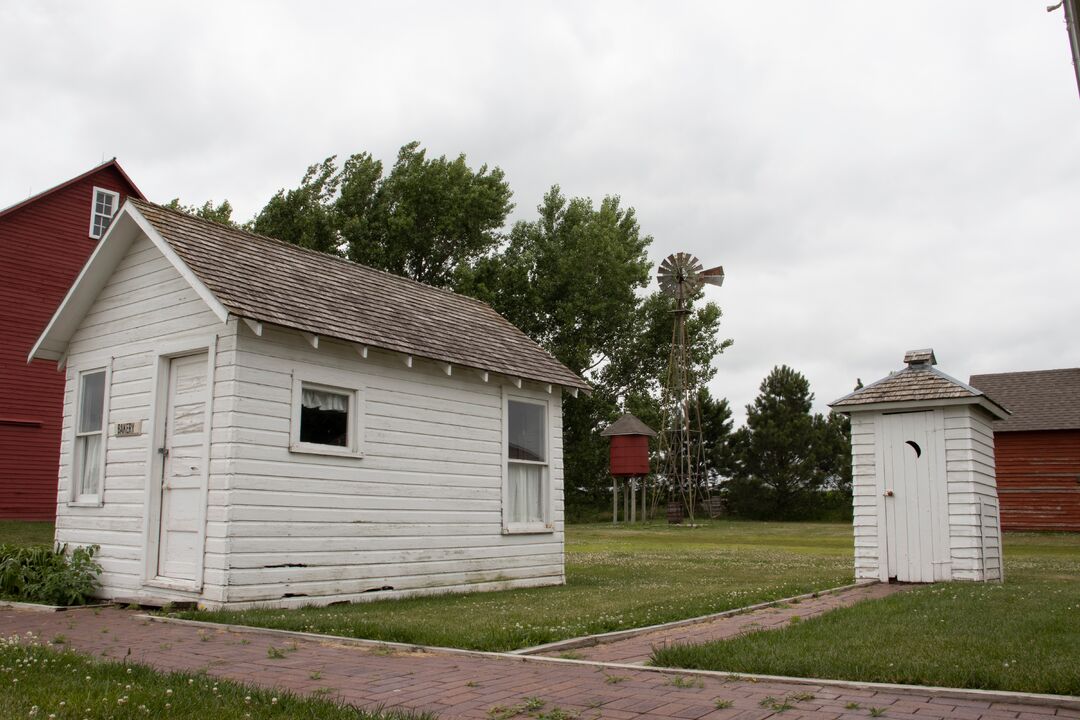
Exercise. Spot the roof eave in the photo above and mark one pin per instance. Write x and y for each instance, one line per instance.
(982, 401)
(56, 188)
(576, 384)
(126, 225)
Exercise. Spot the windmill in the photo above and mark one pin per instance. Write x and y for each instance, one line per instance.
(681, 276)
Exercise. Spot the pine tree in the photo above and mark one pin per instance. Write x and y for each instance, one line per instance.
(777, 464)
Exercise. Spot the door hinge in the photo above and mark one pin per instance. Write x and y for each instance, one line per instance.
(163, 452)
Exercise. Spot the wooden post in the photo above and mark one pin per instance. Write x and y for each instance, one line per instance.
(614, 500)
(633, 500)
(626, 503)
(645, 515)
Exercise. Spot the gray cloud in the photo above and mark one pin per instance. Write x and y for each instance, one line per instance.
(874, 179)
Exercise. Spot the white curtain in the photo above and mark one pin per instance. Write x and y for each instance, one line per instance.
(322, 400)
(526, 493)
(89, 464)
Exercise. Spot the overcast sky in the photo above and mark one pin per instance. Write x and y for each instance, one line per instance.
(875, 177)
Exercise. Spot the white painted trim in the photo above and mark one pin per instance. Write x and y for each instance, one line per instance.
(516, 381)
(92, 271)
(93, 210)
(334, 381)
(66, 302)
(913, 405)
(361, 350)
(255, 325)
(548, 525)
(483, 375)
(74, 499)
(445, 367)
(196, 284)
(408, 360)
(312, 339)
(155, 431)
(573, 391)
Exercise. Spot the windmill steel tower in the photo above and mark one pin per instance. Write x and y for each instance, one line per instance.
(681, 276)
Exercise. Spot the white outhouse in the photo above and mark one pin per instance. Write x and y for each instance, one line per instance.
(250, 422)
(923, 481)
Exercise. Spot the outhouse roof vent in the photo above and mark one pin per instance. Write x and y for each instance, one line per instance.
(920, 357)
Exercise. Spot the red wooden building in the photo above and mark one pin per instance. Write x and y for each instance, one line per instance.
(44, 242)
(1038, 448)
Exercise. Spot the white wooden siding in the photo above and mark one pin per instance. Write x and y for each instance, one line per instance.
(973, 503)
(420, 512)
(865, 496)
(145, 303)
(973, 541)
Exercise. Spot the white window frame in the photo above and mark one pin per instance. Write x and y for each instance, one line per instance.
(75, 498)
(340, 383)
(547, 525)
(94, 213)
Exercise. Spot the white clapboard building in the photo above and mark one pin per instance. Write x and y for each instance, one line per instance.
(250, 422)
(923, 478)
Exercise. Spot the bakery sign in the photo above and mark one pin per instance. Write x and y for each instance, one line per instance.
(129, 429)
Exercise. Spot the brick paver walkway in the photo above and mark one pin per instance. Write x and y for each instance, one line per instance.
(636, 650)
(467, 685)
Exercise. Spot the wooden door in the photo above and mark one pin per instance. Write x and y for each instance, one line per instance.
(180, 539)
(914, 488)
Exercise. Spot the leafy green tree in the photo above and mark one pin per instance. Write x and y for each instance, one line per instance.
(777, 467)
(305, 215)
(572, 280)
(428, 219)
(221, 213)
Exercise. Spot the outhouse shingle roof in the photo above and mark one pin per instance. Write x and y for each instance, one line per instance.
(264, 279)
(920, 381)
(1040, 399)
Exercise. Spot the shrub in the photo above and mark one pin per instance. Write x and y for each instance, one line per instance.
(39, 573)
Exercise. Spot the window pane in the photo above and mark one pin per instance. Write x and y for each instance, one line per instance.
(526, 431)
(324, 417)
(526, 493)
(91, 402)
(88, 464)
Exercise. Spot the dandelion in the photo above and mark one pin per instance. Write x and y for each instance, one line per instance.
(273, 701)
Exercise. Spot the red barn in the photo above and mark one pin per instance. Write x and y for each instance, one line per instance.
(1038, 448)
(44, 242)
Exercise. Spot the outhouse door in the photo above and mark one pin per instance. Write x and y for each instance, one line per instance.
(914, 495)
(180, 535)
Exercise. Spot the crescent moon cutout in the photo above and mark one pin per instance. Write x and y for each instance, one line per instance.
(915, 446)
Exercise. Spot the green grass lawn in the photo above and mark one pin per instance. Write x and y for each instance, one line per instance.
(617, 578)
(1021, 635)
(23, 532)
(43, 682)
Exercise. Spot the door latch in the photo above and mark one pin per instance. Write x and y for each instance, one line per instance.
(163, 452)
(888, 493)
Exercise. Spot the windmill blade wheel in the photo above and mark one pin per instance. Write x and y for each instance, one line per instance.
(679, 275)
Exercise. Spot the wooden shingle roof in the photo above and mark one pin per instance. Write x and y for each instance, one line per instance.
(628, 425)
(1040, 400)
(918, 383)
(272, 281)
